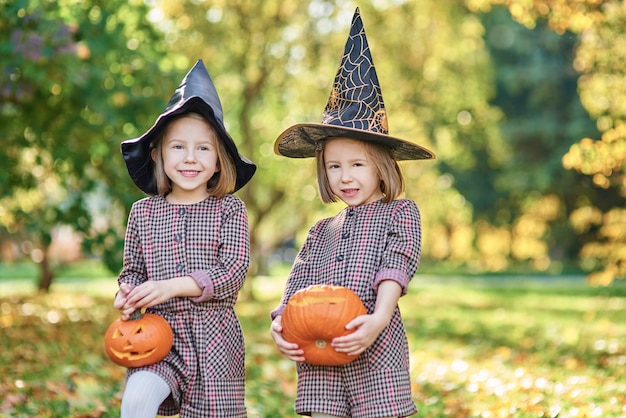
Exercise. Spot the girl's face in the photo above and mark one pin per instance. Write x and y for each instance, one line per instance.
(190, 159)
(351, 174)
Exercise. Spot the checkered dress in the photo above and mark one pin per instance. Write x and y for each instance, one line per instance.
(208, 241)
(359, 248)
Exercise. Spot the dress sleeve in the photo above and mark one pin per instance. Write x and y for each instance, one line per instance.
(402, 252)
(134, 270)
(227, 275)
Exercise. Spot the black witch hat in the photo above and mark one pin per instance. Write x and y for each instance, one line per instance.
(196, 93)
(355, 108)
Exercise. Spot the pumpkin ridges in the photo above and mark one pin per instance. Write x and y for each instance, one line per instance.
(320, 313)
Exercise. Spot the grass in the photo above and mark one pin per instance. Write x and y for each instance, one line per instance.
(480, 347)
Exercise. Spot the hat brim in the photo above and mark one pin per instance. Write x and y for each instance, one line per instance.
(304, 139)
(136, 152)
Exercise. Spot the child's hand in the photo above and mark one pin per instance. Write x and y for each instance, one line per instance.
(289, 350)
(368, 327)
(148, 294)
(121, 301)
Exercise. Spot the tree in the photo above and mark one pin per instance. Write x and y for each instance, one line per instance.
(529, 193)
(599, 60)
(70, 72)
(278, 67)
(242, 45)
(495, 198)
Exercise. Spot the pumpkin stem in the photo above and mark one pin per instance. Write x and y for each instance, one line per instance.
(136, 315)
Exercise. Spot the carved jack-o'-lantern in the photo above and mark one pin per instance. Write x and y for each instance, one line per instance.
(317, 314)
(143, 339)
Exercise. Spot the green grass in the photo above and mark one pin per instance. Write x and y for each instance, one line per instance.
(480, 347)
(86, 276)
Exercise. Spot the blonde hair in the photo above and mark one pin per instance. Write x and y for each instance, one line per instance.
(222, 182)
(391, 179)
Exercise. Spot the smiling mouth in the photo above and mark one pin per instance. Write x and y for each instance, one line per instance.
(350, 191)
(133, 355)
(188, 173)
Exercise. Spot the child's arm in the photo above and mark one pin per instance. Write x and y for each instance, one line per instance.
(368, 327)
(134, 269)
(153, 292)
(225, 277)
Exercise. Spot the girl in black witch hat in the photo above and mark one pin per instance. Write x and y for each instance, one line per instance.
(186, 255)
(372, 246)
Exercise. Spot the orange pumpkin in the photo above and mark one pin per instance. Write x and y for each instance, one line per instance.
(143, 339)
(315, 316)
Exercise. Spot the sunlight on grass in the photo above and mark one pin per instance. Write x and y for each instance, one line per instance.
(482, 347)
(88, 277)
(492, 352)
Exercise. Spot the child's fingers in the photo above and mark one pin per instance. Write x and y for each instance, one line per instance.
(277, 327)
(357, 322)
(125, 288)
(297, 359)
(121, 298)
(292, 354)
(125, 311)
(290, 350)
(282, 344)
(119, 302)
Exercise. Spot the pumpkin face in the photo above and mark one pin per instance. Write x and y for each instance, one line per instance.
(317, 314)
(138, 342)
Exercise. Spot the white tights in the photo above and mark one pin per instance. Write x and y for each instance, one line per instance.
(144, 393)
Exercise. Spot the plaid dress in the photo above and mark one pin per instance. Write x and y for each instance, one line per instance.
(358, 248)
(208, 241)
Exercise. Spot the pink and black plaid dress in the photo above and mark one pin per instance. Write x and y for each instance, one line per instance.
(208, 241)
(358, 248)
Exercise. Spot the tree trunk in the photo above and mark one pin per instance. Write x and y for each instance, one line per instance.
(46, 275)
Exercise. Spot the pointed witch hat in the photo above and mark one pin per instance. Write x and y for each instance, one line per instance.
(196, 93)
(355, 108)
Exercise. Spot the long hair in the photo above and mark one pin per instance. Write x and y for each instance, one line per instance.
(391, 179)
(222, 182)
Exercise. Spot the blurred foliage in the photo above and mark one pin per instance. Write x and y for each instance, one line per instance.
(426, 86)
(70, 73)
(509, 346)
(519, 183)
(599, 61)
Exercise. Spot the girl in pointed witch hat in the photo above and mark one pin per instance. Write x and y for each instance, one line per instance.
(186, 255)
(371, 247)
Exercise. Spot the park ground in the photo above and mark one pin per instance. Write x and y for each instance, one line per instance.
(481, 346)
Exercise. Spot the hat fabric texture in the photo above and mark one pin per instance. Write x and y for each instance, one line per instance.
(196, 93)
(355, 108)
